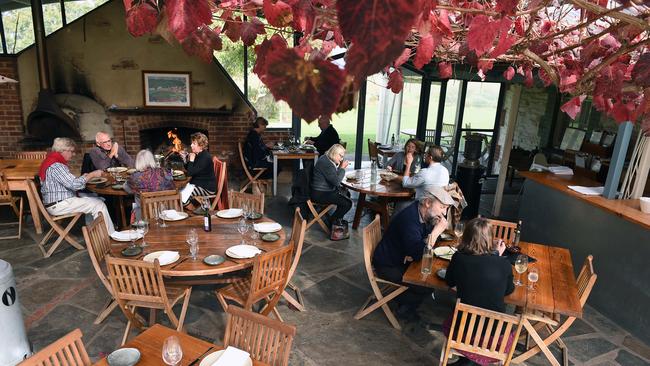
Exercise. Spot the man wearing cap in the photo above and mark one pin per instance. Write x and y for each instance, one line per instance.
(404, 242)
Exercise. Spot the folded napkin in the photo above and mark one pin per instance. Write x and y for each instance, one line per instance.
(171, 214)
(589, 191)
(267, 227)
(125, 235)
(186, 192)
(232, 357)
(244, 251)
(167, 257)
(232, 212)
(560, 170)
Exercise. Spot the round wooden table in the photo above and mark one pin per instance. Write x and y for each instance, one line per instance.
(224, 234)
(360, 181)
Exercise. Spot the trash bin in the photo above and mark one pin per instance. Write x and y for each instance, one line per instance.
(14, 346)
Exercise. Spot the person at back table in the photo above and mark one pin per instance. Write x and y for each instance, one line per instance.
(147, 178)
(327, 138)
(397, 163)
(403, 242)
(59, 186)
(108, 153)
(434, 175)
(257, 153)
(326, 181)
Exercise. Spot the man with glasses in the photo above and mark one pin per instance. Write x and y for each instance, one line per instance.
(59, 186)
(108, 153)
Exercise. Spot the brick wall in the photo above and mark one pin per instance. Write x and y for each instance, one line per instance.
(11, 127)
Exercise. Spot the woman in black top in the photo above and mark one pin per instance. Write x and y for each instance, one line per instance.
(199, 166)
(256, 152)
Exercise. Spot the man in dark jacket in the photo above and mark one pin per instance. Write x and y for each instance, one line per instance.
(327, 138)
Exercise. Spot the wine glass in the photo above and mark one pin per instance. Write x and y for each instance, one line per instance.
(172, 353)
(245, 210)
(242, 227)
(521, 264)
(143, 229)
(161, 214)
(280, 144)
(254, 234)
(459, 227)
(533, 277)
(192, 239)
(134, 233)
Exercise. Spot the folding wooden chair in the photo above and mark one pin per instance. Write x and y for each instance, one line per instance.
(553, 322)
(253, 180)
(318, 211)
(483, 332)
(504, 230)
(267, 282)
(298, 239)
(266, 340)
(16, 204)
(149, 201)
(390, 290)
(221, 171)
(239, 199)
(99, 246)
(68, 350)
(31, 155)
(373, 152)
(53, 220)
(138, 284)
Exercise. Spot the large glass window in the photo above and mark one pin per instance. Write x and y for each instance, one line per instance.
(52, 17)
(481, 105)
(19, 32)
(75, 9)
(231, 57)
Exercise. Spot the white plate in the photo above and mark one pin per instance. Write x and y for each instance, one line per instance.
(117, 169)
(131, 171)
(125, 235)
(267, 227)
(212, 358)
(97, 180)
(177, 217)
(230, 213)
(243, 251)
(165, 261)
(444, 252)
(177, 173)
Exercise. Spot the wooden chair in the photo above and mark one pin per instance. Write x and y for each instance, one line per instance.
(298, 239)
(469, 328)
(318, 211)
(221, 171)
(139, 284)
(504, 230)
(267, 282)
(99, 246)
(389, 290)
(267, 340)
(31, 155)
(53, 220)
(373, 152)
(16, 204)
(253, 180)
(149, 201)
(429, 137)
(553, 322)
(344, 144)
(68, 350)
(239, 199)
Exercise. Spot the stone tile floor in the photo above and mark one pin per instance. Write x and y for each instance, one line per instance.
(62, 292)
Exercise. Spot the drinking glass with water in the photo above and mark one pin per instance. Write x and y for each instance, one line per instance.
(172, 353)
(533, 277)
(427, 260)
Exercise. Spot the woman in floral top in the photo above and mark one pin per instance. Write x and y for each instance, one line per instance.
(148, 178)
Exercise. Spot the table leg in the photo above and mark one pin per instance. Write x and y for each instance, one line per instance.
(383, 212)
(275, 175)
(120, 204)
(361, 202)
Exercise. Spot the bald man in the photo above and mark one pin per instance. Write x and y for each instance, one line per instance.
(108, 153)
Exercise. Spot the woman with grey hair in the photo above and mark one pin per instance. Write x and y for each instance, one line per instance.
(326, 181)
(148, 177)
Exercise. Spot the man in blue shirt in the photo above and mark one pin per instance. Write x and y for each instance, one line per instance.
(404, 241)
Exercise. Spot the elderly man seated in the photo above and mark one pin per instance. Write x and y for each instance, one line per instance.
(404, 242)
(59, 185)
(108, 153)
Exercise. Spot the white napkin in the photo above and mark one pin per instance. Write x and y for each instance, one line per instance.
(560, 170)
(125, 235)
(171, 214)
(267, 227)
(589, 191)
(186, 192)
(167, 257)
(232, 357)
(232, 212)
(244, 251)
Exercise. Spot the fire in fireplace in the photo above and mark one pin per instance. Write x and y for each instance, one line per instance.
(164, 140)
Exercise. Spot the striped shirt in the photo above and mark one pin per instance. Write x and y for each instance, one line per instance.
(60, 184)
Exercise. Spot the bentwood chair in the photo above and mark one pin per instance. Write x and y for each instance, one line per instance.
(139, 284)
(482, 332)
(267, 340)
(68, 350)
(16, 204)
(99, 246)
(149, 201)
(504, 230)
(55, 227)
(388, 290)
(255, 181)
(31, 155)
(267, 282)
(298, 239)
(239, 199)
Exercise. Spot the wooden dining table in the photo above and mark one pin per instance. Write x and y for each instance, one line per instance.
(150, 343)
(18, 172)
(285, 154)
(555, 292)
(224, 234)
(386, 192)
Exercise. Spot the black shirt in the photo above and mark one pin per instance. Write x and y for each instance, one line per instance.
(326, 139)
(255, 151)
(202, 171)
(481, 280)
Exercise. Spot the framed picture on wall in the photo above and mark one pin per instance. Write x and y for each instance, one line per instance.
(167, 89)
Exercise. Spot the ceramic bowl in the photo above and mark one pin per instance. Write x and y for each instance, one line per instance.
(645, 204)
(124, 357)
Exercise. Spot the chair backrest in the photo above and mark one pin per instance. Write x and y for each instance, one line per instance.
(484, 332)
(373, 151)
(449, 128)
(504, 230)
(344, 144)
(270, 274)
(31, 155)
(298, 239)
(150, 200)
(430, 136)
(34, 192)
(371, 238)
(87, 164)
(99, 246)
(68, 350)
(540, 159)
(267, 340)
(136, 280)
(586, 280)
(254, 200)
(244, 165)
(220, 172)
(5, 192)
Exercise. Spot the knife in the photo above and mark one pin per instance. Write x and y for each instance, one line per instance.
(181, 261)
(200, 356)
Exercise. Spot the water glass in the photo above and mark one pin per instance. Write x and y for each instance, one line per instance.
(242, 227)
(459, 227)
(521, 264)
(172, 353)
(143, 229)
(427, 260)
(533, 277)
(192, 238)
(161, 214)
(254, 234)
(246, 210)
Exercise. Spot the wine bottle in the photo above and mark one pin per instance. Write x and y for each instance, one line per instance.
(207, 220)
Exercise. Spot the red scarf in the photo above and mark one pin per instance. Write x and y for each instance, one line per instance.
(51, 158)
